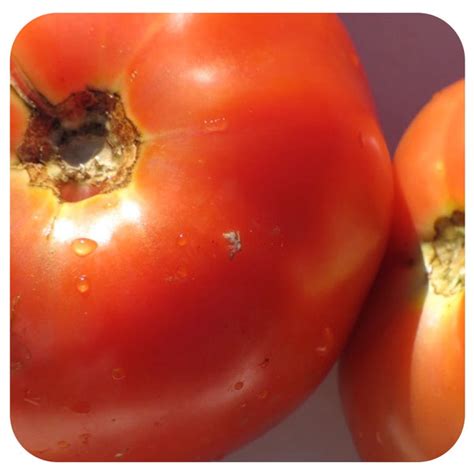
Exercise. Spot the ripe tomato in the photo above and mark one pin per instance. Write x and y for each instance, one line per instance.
(199, 206)
(402, 375)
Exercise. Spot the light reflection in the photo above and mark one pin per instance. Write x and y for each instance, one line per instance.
(203, 75)
(64, 230)
(179, 20)
(99, 229)
(130, 210)
(402, 437)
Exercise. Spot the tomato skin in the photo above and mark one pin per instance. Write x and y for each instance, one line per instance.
(162, 343)
(18, 122)
(430, 160)
(402, 373)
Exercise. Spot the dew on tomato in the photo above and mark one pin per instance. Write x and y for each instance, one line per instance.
(85, 438)
(327, 341)
(83, 284)
(80, 407)
(83, 247)
(322, 349)
(118, 373)
(215, 125)
(263, 395)
(181, 240)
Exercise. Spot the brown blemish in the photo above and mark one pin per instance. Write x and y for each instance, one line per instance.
(86, 140)
(445, 257)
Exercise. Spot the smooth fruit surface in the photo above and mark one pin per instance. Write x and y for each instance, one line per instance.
(181, 315)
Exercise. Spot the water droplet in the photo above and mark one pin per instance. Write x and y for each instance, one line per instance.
(63, 444)
(41, 451)
(80, 407)
(182, 272)
(215, 125)
(181, 240)
(243, 405)
(263, 395)
(378, 438)
(326, 343)
(276, 231)
(369, 141)
(119, 455)
(83, 247)
(322, 349)
(82, 284)
(16, 365)
(264, 363)
(238, 386)
(14, 304)
(85, 437)
(118, 373)
(133, 75)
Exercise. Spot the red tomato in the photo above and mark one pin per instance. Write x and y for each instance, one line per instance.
(189, 307)
(402, 375)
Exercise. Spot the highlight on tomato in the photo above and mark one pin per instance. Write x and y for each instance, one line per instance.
(402, 374)
(199, 205)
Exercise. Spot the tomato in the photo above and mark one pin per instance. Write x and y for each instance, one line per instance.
(402, 374)
(199, 206)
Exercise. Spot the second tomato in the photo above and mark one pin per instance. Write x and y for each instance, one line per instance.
(402, 375)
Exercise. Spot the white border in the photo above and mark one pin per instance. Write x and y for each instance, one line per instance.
(17, 13)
